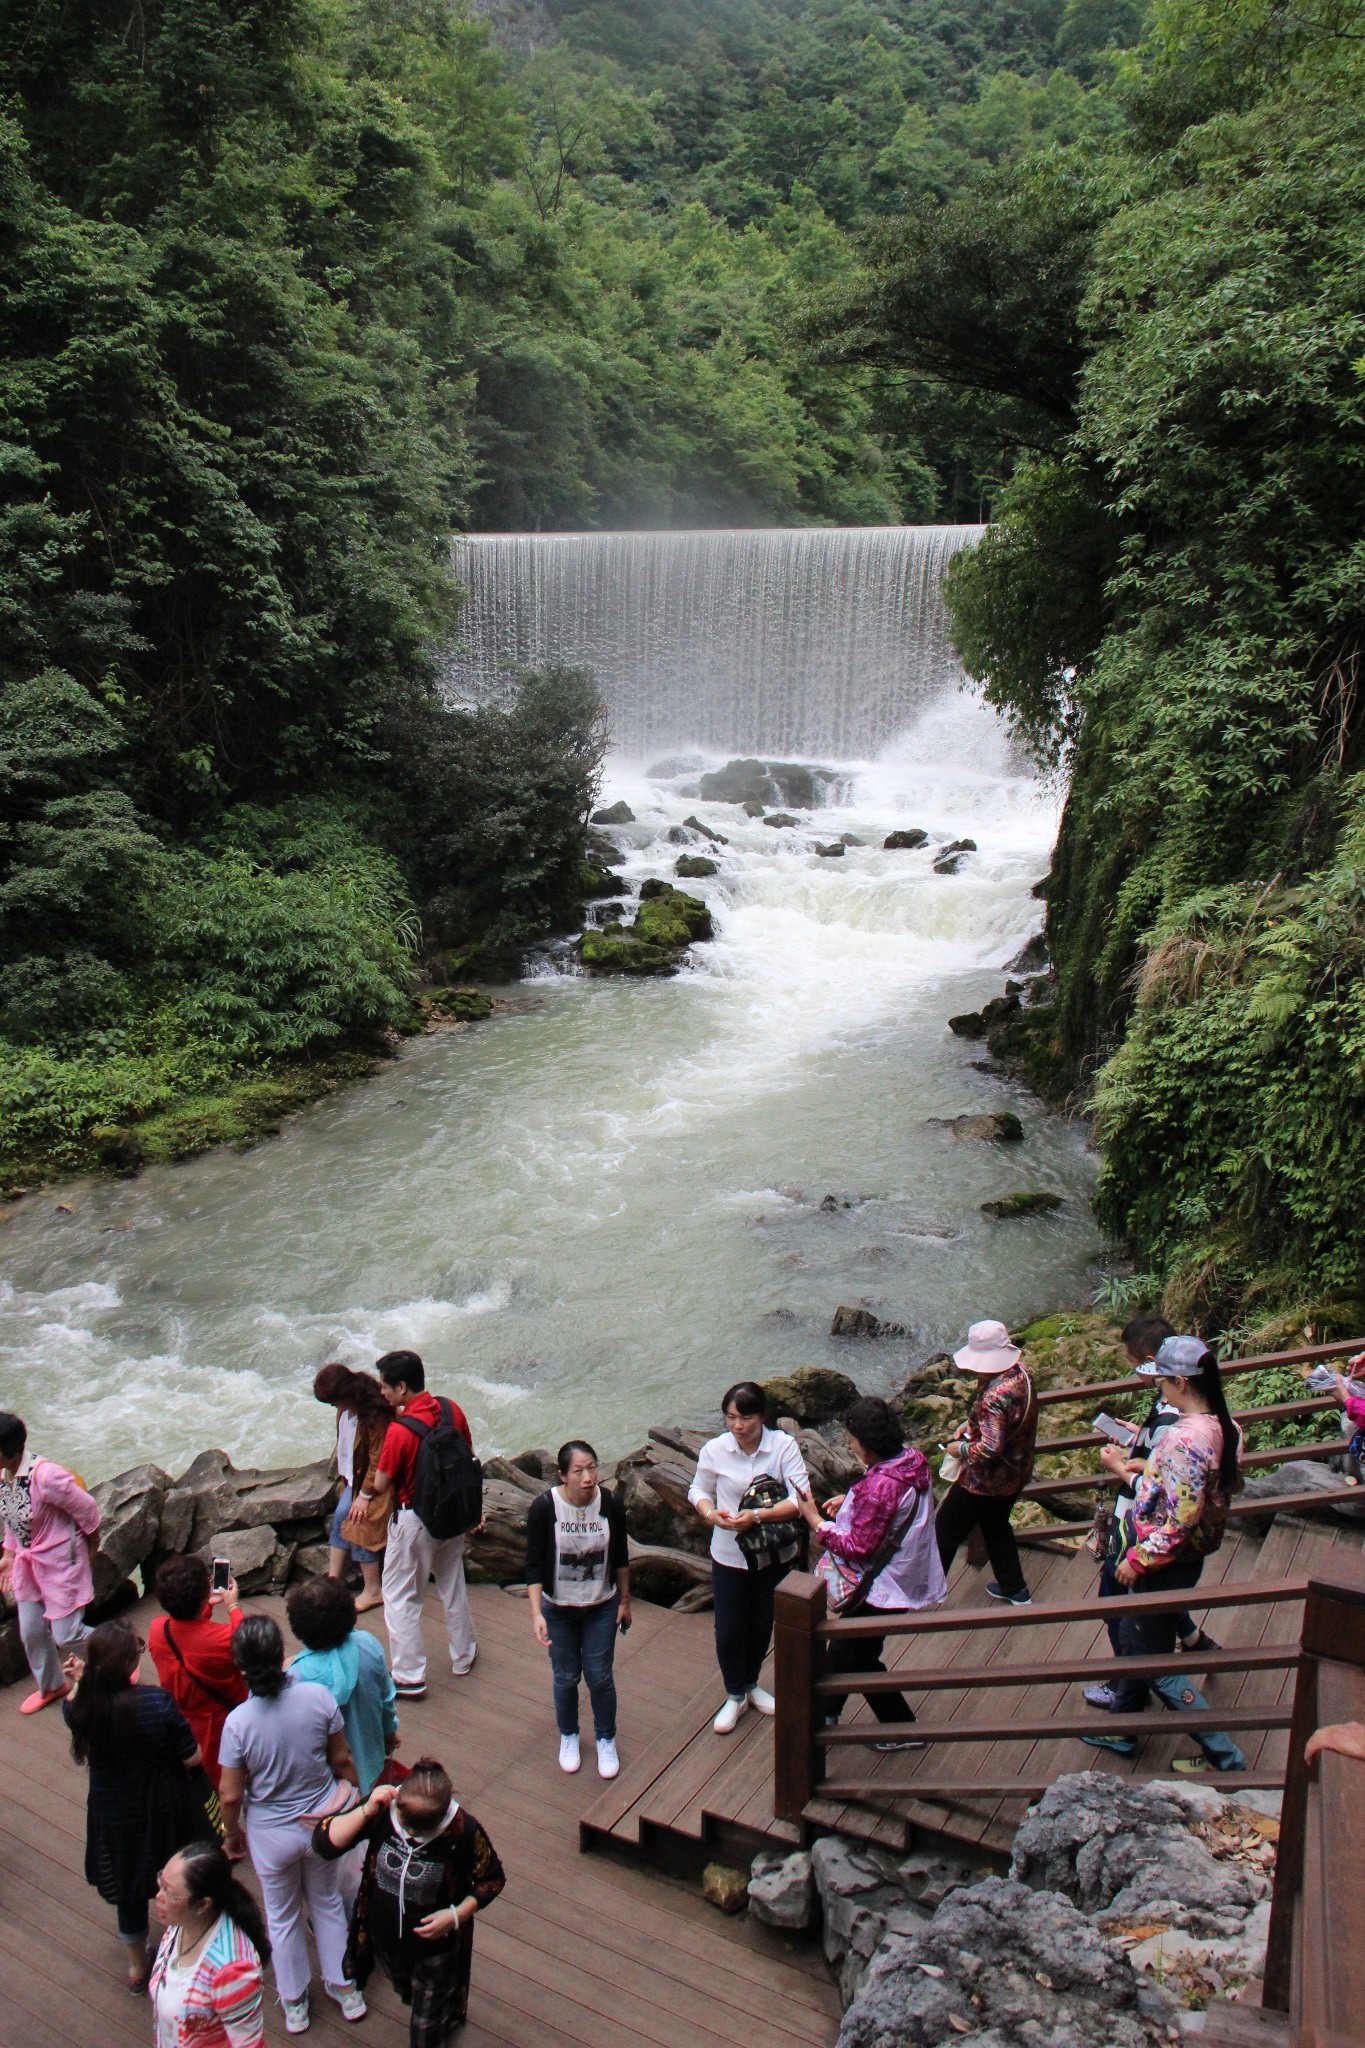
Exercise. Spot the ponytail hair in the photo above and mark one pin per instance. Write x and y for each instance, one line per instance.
(258, 1653)
(1208, 1384)
(210, 1882)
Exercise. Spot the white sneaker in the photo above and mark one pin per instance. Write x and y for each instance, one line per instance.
(569, 1757)
(608, 1762)
(727, 1718)
(295, 2014)
(762, 1701)
(350, 1998)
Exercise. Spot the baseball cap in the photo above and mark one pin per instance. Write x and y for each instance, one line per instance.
(1178, 1358)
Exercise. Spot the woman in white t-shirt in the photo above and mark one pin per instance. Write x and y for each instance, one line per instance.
(744, 1577)
(206, 1981)
(578, 1583)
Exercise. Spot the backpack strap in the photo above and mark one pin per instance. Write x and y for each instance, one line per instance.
(422, 1429)
(193, 1676)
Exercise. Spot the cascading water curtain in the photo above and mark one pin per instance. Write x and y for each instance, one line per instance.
(806, 641)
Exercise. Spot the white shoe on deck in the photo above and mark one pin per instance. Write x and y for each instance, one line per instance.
(726, 1720)
(608, 1762)
(569, 1757)
(762, 1701)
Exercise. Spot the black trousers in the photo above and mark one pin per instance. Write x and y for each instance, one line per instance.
(744, 1621)
(959, 1512)
(864, 1654)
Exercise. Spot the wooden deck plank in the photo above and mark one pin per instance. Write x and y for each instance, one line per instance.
(606, 1952)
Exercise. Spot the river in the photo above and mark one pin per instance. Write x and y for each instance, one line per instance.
(593, 1211)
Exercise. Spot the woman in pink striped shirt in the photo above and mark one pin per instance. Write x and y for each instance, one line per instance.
(206, 1980)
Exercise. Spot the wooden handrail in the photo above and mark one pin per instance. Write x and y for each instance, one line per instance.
(1275, 1411)
(957, 1678)
(941, 1621)
(966, 1791)
(1055, 1727)
(1264, 1504)
(1254, 1461)
(1313, 1971)
(1266, 1361)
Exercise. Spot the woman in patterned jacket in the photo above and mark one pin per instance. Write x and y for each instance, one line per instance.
(429, 1868)
(1178, 1520)
(994, 1448)
(206, 1980)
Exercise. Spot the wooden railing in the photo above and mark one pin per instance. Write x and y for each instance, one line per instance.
(1315, 1959)
(802, 1631)
(1054, 1488)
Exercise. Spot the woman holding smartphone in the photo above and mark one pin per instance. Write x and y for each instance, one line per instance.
(578, 1583)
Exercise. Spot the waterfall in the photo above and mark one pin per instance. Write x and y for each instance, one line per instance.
(792, 640)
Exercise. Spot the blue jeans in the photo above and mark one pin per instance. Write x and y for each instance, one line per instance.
(582, 1646)
(1153, 1635)
(338, 1542)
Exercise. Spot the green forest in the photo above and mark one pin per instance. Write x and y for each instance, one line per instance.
(291, 293)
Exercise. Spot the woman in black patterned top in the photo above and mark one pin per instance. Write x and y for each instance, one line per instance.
(429, 1868)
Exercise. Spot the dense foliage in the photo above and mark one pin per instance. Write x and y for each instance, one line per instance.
(288, 293)
(1171, 606)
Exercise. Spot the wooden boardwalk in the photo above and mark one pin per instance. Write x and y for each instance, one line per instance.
(691, 1794)
(586, 1948)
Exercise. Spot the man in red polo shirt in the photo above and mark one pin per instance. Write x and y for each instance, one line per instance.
(413, 1555)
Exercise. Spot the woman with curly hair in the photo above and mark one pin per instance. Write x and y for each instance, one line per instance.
(360, 1520)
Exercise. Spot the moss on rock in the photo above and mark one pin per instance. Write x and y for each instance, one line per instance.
(666, 923)
(1021, 1204)
(693, 866)
(811, 1394)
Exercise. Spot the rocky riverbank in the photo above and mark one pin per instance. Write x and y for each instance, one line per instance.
(272, 1525)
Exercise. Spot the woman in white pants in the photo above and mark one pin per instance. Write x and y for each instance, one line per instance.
(285, 1752)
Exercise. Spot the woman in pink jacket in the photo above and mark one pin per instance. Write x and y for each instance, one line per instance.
(51, 1524)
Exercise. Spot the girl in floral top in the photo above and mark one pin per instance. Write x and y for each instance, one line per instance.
(1178, 1520)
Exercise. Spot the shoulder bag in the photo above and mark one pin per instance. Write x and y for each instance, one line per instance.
(848, 1586)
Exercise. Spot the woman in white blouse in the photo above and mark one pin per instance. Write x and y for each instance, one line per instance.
(745, 1575)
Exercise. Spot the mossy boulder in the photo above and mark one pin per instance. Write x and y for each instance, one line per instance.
(614, 814)
(666, 924)
(781, 821)
(693, 866)
(716, 838)
(1021, 1204)
(1031, 1041)
(595, 881)
(738, 782)
(997, 1126)
(754, 809)
(904, 842)
(968, 1024)
(455, 1005)
(811, 1394)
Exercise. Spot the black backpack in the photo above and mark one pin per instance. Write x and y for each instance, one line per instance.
(447, 1482)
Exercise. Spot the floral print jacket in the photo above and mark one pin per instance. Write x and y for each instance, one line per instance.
(997, 1449)
(1181, 1508)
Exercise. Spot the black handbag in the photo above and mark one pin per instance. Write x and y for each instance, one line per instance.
(766, 1543)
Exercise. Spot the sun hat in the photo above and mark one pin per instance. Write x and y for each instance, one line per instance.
(1178, 1359)
(987, 1349)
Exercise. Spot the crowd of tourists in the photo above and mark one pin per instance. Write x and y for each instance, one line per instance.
(241, 1751)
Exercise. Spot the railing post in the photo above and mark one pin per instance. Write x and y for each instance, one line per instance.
(1333, 1627)
(797, 1663)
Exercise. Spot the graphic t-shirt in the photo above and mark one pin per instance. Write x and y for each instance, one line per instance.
(582, 1539)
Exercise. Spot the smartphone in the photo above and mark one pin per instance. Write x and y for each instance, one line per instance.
(1123, 1433)
(222, 1574)
(623, 1626)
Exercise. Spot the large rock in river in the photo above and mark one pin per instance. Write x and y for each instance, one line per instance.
(813, 1393)
(666, 924)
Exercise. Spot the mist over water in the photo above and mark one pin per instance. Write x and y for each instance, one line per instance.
(595, 1210)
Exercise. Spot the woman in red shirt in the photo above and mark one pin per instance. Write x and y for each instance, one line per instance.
(193, 1653)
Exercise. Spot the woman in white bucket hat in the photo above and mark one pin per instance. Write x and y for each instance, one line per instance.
(994, 1449)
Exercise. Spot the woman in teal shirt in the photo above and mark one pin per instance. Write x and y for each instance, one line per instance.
(352, 1665)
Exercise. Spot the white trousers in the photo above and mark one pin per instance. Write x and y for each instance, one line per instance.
(292, 1877)
(412, 1557)
(44, 1641)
